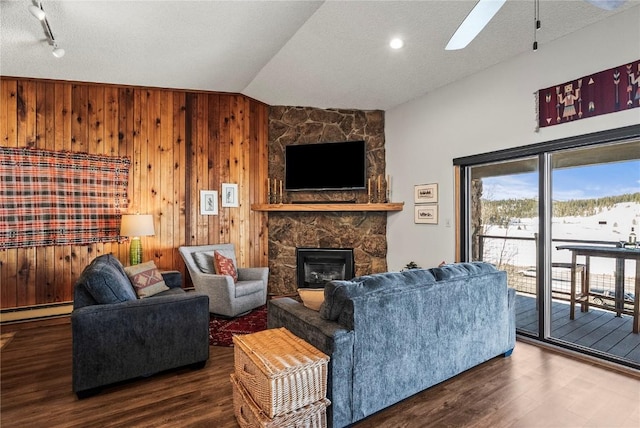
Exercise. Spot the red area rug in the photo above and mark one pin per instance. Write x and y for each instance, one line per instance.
(222, 330)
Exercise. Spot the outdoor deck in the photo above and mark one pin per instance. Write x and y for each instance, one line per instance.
(597, 329)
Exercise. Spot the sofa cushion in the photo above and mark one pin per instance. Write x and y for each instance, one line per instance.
(146, 279)
(106, 281)
(170, 292)
(224, 265)
(204, 261)
(244, 288)
(312, 298)
(457, 270)
(337, 293)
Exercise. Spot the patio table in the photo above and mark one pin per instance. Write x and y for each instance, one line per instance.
(618, 253)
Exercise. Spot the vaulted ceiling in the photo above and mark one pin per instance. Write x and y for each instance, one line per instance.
(311, 53)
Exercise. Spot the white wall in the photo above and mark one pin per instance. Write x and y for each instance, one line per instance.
(489, 111)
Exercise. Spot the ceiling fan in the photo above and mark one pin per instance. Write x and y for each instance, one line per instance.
(484, 10)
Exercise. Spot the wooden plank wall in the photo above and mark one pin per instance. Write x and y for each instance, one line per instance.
(179, 142)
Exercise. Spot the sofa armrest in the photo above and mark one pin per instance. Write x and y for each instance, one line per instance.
(329, 337)
(304, 323)
(120, 341)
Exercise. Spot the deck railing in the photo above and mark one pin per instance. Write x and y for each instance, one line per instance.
(517, 256)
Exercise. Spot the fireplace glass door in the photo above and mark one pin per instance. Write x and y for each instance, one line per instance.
(317, 266)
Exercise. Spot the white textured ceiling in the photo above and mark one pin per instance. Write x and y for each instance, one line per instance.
(311, 53)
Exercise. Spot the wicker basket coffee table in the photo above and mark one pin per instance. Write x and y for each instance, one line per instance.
(279, 380)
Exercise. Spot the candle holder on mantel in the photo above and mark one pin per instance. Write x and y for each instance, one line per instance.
(378, 190)
(275, 197)
(274, 191)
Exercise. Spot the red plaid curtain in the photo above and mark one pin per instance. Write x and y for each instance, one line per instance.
(60, 198)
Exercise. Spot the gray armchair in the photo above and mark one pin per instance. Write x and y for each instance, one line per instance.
(225, 297)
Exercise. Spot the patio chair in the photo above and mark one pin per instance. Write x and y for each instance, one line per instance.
(226, 297)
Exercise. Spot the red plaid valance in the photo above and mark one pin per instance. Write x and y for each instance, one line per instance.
(60, 198)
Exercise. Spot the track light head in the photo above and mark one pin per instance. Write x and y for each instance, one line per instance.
(58, 52)
(37, 12)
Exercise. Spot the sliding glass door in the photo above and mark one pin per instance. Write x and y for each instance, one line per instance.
(557, 217)
(596, 205)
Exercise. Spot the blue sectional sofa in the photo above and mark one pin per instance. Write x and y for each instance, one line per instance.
(392, 335)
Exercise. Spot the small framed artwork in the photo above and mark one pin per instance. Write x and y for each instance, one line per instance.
(230, 195)
(209, 202)
(426, 214)
(426, 193)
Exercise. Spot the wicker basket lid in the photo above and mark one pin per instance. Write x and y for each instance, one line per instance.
(278, 351)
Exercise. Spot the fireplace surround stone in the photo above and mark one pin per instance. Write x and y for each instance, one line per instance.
(365, 232)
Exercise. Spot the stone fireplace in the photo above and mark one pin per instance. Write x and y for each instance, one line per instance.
(364, 232)
(317, 266)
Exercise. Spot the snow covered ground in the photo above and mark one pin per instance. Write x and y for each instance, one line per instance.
(610, 225)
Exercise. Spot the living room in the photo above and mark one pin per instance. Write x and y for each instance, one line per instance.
(182, 141)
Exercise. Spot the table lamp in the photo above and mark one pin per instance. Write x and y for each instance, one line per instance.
(135, 226)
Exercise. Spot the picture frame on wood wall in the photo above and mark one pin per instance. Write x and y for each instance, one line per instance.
(230, 195)
(209, 202)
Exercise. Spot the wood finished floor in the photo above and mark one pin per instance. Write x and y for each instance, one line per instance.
(535, 387)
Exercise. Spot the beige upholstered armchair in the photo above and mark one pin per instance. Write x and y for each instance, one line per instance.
(225, 297)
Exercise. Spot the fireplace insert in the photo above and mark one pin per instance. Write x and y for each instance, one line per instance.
(317, 266)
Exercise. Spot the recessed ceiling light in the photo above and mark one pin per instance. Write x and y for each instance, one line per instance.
(396, 43)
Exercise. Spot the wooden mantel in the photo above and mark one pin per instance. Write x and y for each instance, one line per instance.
(391, 206)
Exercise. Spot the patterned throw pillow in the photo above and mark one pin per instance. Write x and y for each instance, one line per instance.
(146, 279)
(224, 266)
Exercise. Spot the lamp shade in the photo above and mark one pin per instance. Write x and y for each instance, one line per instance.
(137, 225)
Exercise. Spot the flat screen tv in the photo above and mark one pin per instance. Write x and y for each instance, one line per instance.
(325, 166)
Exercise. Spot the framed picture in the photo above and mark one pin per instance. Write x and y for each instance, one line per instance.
(426, 214)
(426, 193)
(230, 195)
(209, 202)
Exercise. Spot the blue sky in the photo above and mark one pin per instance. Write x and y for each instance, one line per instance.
(585, 182)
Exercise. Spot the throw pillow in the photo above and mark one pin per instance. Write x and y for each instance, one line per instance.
(224, 266)
(204, 261)
(146, 279)
(312, 298)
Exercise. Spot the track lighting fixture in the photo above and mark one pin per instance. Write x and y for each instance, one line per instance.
(536, 23)
(37, 10)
